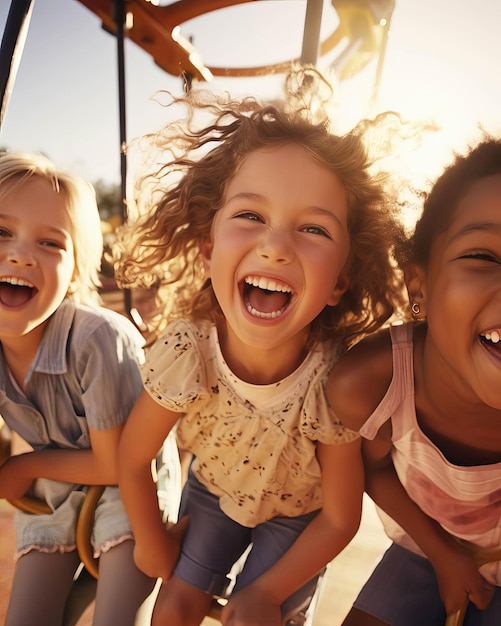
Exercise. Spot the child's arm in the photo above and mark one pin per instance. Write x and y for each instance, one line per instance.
(352, 397)
(357, 385)
(324, 537)
(156, 550)
(456, 571)
(94, 466)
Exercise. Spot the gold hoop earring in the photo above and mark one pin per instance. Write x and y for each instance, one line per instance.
(415, 308)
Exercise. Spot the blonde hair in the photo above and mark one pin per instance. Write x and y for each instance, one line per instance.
(17, 168)
(164, 246)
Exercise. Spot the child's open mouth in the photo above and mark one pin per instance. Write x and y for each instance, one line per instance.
(491, 338)
(266, 298)
(15, 292)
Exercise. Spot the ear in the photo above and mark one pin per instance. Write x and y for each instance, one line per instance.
(415, 280)
(206, 252)
(341, 286)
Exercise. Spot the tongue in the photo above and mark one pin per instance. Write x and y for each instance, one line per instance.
(267, 301)
(11, 295)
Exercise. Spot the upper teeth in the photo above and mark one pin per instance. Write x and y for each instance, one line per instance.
(12, 280)
(269, 285)
(493, 336)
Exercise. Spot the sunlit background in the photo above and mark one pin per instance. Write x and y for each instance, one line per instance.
(441, 63)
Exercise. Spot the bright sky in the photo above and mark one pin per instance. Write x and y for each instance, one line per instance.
(442, 60)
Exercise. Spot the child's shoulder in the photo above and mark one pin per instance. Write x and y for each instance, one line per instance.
(360, 379)
(195, 331)
(193, 340)
(94, 314)
(89, 319)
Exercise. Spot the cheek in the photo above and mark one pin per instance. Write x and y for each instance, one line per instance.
(451, 292)
(227, 251)
(221, 272)
(326, 267)
(321, 285)
(71, 266)
(450, 313)
(67, 271)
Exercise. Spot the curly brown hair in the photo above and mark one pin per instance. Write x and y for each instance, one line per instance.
(163, 247)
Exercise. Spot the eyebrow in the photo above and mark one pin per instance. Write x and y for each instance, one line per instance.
(52, 229)
(490, 227)
(248, 195)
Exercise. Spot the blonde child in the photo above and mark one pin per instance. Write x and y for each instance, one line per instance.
(426, 396)
(68, 378)
(274, 239)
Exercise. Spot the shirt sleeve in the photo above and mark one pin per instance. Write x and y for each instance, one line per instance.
(318, 420)
(174, 374)
(108, 369)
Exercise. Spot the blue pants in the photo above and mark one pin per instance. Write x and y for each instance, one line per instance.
(403, 591)
(214, 543)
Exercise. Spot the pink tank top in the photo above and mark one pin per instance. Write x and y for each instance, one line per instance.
(466, 501)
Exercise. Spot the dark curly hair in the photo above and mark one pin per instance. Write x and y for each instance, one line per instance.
(163, 247)
(441, 202)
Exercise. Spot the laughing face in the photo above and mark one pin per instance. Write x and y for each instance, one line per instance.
(462, 295)
(36, 257)
(279, 246)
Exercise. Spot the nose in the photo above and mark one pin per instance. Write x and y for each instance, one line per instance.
(276, 246)
(20, 255)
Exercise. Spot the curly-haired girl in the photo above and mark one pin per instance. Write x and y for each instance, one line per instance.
(275, 241)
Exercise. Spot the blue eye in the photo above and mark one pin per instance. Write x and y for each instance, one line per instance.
(316, 230)
(51, 244)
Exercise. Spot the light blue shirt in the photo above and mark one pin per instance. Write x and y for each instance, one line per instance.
(85, 375)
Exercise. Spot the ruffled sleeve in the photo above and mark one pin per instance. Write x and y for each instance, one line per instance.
(174, 374)
(318, 420)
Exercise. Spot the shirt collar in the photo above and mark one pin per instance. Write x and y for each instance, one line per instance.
(51, 355)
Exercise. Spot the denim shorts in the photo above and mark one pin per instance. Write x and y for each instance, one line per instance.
(214, 544)
(403, 591)
(55, 532)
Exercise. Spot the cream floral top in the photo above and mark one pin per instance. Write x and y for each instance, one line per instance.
(254, 445)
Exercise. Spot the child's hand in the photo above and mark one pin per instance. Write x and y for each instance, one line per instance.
(251, 607)
(158, 560)
(459, 579)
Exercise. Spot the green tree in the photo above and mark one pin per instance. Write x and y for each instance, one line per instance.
(109, 198)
